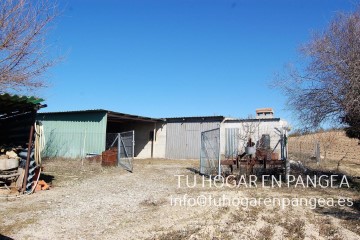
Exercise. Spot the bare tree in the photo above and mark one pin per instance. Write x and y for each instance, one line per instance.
(23, 28)
(249, 129)
(325, 86)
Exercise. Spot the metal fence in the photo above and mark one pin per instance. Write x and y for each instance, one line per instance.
(304, 151)
(125, 146)
(111, 140)
(210, 152)
(82, 144)
(73, 144)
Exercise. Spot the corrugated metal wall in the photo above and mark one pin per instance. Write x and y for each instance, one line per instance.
(231, 142)
(74, 134)
(183, 139)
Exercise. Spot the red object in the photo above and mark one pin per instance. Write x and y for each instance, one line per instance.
(109, 157)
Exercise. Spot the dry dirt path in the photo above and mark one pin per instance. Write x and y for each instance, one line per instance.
(91, 202)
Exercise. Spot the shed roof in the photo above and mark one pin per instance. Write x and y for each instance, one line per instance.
(112, 116)
(196, 119)
(252, 120)
(17, 115)
(15, 104)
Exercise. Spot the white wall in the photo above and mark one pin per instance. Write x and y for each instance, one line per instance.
(262, 127)
(160, 141)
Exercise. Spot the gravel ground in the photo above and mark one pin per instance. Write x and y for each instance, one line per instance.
(88, 201)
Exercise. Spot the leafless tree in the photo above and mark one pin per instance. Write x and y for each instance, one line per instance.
(249, 129)
(23, 28)
(325, 86)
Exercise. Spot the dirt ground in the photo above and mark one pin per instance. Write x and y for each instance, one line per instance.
(87, 201)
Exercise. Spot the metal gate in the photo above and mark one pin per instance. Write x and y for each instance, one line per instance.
(124, 142)
(210, 152)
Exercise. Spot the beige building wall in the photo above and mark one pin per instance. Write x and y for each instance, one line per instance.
(144, 145)
(160, 141)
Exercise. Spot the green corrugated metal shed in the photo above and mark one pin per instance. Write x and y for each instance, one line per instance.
(74, 134)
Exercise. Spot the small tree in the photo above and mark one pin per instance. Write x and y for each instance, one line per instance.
(249, 129)
(325, 87)
(23, 28)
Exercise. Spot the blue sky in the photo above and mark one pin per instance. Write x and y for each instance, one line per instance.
(178, 58)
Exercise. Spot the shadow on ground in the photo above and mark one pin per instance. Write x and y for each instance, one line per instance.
(2, 237)
(193, 170)
(47, 178)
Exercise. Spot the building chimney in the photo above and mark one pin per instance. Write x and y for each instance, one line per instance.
(264, 113)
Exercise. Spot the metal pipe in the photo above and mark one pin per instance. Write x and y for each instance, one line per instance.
(219, 156)
(28, 158)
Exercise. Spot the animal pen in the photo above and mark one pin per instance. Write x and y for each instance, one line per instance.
(243, 156)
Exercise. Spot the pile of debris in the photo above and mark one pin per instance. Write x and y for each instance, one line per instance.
(20, 160)
(13, 162)
(11, 174)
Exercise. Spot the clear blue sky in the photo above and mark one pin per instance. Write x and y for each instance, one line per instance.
(178, 58)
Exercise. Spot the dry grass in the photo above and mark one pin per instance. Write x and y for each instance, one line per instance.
(326, 228)
(265, 233)
(295, 229)
(137, 206)
(177, 234)
(153, 202)
(249, 215)
(352, 225)
(331, 165)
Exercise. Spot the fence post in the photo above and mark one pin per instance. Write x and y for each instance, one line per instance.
(318, 152)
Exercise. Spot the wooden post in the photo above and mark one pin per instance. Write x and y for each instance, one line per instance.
(318, 152)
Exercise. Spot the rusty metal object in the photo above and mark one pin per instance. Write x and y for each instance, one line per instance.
(228, 162)
(109, 157)
(274, 156)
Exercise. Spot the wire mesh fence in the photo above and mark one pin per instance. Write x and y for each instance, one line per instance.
(111, 140)
(304, 151)
(79, 144)
(73, 144)
(210, 152)
(84, 144)
(125, 143)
